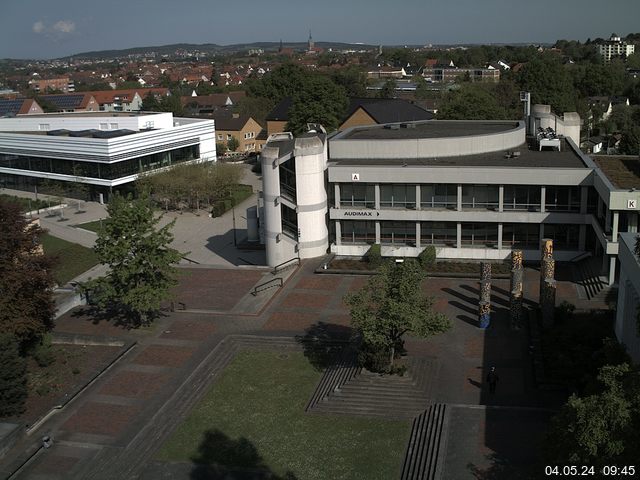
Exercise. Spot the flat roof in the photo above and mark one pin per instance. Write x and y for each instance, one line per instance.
(86, 114)
(428, 129)
(529, 157)
(622, 170)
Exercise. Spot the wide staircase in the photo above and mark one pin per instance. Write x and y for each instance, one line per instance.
(592, 285)
(349, 390)
(427, 445)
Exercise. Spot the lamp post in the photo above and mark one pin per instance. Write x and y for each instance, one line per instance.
(233, 215)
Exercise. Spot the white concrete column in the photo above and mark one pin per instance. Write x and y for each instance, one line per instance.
(584, 195)
(501, 198)
(336, 190)
(376, 190)
(458, 235)
(582, 237)
(612, 270)
(418, 201)
(338, 233)
(378, 232)
(459, 198)
(418, 234)
(614, 230)
(543, 199)
(500, 236)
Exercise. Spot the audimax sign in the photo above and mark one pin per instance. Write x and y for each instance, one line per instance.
(360, 213)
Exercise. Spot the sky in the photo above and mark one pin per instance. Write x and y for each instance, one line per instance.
(43, 29)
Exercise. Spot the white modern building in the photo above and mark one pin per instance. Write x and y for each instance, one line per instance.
(615, 47)
(627, 325)
(473, 189)
(107, 151)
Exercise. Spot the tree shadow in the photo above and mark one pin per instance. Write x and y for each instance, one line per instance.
(323, 343)
(222, 458)
(113, 316)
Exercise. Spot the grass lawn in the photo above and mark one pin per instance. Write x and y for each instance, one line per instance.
(73, 259)
(91, 226)
(27, 204)
(254, 417)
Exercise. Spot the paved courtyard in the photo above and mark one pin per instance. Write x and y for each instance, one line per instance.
(136, 404)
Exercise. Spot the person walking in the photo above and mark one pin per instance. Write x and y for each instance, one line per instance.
(492, 379)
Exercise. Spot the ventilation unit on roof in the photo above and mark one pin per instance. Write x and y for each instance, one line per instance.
(407, 125)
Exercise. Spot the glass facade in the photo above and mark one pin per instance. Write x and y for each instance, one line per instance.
(289, 222)
(288, 179)
(484, 197)
(357, 195)
(106, 171)
(398, 233)
(353, 232)
(565, 237)
(439, 196)
(525, 236)
(438, 233)
(522, 197)
(399, 195)
(562, 199)
(480, 235)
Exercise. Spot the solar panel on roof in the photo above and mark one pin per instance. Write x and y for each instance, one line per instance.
(64, 102)
(10, 106)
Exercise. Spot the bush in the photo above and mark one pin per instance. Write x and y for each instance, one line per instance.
(13, 377)
(373, 358)
(427, 257)
(374, 255)
(564, 311)
(43, 353)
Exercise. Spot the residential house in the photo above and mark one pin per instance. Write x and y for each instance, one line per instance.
(241, 127)
(19, 106)
(72, 102)
(209, 104)
(64, 84)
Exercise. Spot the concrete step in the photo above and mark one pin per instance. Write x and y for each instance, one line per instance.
(423, 458)
(355, 392)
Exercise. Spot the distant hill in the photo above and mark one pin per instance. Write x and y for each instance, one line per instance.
(212, 48)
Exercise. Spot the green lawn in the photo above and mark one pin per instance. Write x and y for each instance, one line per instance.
(73, 259)
(91, 226)
(27, 204)
(254, 417)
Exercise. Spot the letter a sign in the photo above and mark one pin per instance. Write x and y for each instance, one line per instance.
(355, 177)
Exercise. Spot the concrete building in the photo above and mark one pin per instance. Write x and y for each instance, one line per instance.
(626, 328)
(43, 85)
(473, 189)
(105, 151)
(615, 47)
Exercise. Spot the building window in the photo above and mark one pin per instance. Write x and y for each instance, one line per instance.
(565, 237)
(356, 232)
(562, 199)
(44, 126)
(398, 233)
(288, 179)
(104, 126)
(220, 136)
(398, 196)
(525, 236)
(439, 196)
(113, 126)
(522, 197)
(480, 197)
(289, 222)
(439, 233)
(229, 136)
(480, 235)
(357, 195)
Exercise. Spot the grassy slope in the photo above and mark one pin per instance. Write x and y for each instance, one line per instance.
(261, 397)
(73, 259)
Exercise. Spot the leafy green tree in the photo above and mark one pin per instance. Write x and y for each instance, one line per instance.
(255, 107)
(352, 79)
(470, 102)
(549, 83)
(221, 148)
(233, 144)
(150, 103)
(141, 262)
(422, 89)
(393, 304)
(13, 377)
(388, 89)
(602, 428)
(26, 283)
(282, 82)
(319, 100)
(630, 143)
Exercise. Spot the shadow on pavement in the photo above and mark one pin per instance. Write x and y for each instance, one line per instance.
(223, 458)
(323, 343)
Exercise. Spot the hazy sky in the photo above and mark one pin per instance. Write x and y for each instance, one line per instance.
(54, 28)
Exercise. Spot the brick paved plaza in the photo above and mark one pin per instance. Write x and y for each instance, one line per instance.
(169, 362)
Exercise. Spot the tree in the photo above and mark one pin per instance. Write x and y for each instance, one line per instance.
(352, 79)
(233, 144)
(282, 82)
(388, 89)
(471, 102)
(150, 103)
(26, 283)
(391, 305)
(13, 377)
(141, 263)
(549, 83)
(319, 100)
(630, 143)
(599, 429)
(221, 148)
(255, 107)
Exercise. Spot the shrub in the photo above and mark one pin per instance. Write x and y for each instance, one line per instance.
(564, 311)
(13, 377)
(373, 358)
(374, 255)
(427, 257)
(43, 353)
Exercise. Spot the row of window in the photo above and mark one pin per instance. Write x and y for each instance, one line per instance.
(107, 171)
(515, 197)
(521, 235)
(247, 136)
